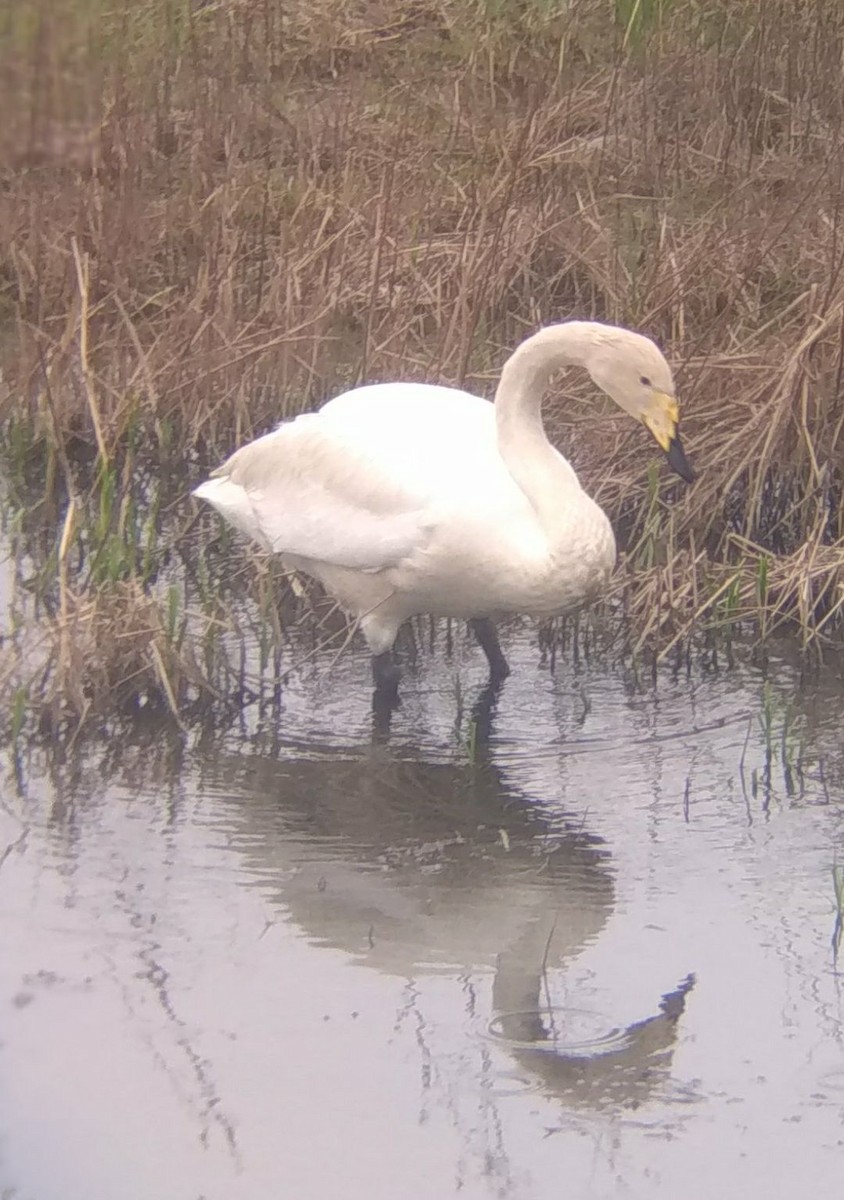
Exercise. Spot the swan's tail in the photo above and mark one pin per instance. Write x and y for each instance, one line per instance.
(232, 503)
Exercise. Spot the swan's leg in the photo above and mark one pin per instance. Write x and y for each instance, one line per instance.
(380, 631)
(484, 631)
(386, 675)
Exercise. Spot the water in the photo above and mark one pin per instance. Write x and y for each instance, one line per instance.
(588, 956)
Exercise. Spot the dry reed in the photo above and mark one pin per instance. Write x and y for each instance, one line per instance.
(215, 215)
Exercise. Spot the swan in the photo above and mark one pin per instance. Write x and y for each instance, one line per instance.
(409, 498)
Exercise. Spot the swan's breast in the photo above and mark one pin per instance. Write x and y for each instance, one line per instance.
(582, 557)
(488, 559)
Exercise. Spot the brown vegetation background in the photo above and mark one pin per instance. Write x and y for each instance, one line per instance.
(216, 214)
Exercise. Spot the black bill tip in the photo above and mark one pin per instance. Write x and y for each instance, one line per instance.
(677, 460)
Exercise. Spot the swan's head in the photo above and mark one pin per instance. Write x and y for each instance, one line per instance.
(631, 369)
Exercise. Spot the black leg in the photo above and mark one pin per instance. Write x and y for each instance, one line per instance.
(483, 712)
(385, 698)
(484, 631)
(386, 675)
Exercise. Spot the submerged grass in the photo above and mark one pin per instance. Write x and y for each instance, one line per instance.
(213, 216)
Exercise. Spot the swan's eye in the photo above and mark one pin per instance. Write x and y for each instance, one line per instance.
(645, 382)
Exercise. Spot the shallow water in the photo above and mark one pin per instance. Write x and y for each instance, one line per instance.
(587, 955)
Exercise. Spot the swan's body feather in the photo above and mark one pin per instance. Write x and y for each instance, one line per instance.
(408, 498)
(353, 484)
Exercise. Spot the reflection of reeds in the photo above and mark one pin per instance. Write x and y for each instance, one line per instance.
(218, 215)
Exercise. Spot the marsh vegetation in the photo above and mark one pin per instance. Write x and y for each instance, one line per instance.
(213, 216)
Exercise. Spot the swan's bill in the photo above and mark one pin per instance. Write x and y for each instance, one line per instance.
(661, 417)
(677, 460)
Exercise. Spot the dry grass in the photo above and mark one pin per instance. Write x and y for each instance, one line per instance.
(213, 215)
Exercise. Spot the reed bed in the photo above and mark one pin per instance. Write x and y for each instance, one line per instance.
(216, 215)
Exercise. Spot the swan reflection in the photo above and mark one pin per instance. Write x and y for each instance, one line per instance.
(416, 868)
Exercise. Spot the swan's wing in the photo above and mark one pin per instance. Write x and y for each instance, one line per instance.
(304, 490)
(363, 482)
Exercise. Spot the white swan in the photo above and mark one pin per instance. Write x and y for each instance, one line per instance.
(407, 498)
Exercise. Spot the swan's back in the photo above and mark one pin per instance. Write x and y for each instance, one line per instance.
(426, 433)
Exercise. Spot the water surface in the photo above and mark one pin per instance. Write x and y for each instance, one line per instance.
(587, 955)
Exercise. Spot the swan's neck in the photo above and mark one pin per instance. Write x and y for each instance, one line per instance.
(542, 474)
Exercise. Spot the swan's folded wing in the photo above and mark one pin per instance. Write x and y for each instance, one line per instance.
(307, 490)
